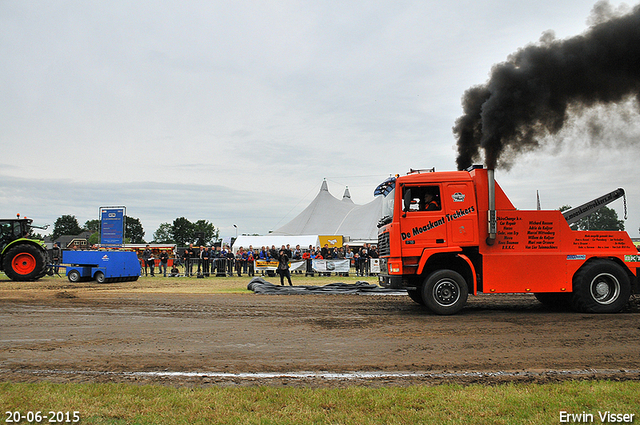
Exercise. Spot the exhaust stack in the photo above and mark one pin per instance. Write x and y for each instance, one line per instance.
(492, 222)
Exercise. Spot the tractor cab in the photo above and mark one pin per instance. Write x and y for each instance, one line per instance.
(12, 229)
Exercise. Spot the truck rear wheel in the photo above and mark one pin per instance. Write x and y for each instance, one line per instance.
(445, 292)
(601, 286)
(24, 262)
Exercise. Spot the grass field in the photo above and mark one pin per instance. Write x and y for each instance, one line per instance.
(184, 285)
(446, 404)
(155, 404)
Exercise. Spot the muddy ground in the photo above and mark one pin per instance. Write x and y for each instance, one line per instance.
(73, 334)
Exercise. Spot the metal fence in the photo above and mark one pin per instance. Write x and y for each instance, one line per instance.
(223, 267)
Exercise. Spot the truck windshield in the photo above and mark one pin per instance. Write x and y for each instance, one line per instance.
(387, 206)
(387, 190)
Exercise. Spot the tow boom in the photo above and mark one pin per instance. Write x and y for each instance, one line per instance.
(575, 214)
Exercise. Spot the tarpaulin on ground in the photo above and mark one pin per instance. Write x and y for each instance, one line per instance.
(261, 286)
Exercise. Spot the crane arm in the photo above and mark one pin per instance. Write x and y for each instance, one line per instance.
(575, 214)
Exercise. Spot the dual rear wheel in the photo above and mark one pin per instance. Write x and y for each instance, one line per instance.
(599, 286)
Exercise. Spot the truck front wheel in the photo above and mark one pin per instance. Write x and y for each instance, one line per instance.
(601, 286)
(445, 292)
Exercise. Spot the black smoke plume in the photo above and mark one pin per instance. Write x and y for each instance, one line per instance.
(532, 94)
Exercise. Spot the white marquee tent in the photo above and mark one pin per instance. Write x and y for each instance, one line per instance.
(278, 240)
(327, 215)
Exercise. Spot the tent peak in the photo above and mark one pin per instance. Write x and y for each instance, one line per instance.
(324, 186)
(346, 193)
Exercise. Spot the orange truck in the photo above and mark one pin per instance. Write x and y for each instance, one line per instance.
(444, 235)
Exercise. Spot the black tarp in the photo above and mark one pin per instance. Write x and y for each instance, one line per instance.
(261, 286)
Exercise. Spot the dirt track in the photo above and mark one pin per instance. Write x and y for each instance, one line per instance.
(79, 335)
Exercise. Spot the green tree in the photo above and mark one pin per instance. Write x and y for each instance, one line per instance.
(603, 219)
(133, 230)
(94, 239)
(65, 225)
(92, 225)
(208, 232)
(164, 234)
(183, 231)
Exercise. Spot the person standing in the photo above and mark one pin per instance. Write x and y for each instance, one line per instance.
(164, 259)
(325, 251)
(230, 259)
(56, 257)
(149, 261)
(251, 256)
(283, 267)
(202, 254)
(193, 256)
(239, 261)
(364, 259)
(211, 252)
(186, 260)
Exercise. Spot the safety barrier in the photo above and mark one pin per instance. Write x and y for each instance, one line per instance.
(223, 267)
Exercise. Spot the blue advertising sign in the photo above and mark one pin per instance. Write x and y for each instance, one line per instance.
(112, 226)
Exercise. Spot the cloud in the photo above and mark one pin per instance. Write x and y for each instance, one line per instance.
(234, 112)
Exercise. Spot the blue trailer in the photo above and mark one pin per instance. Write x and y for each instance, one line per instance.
(103, 266)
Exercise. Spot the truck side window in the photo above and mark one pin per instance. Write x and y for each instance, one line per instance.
(421, 198)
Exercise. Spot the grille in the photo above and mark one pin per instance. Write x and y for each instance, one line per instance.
(383, 244)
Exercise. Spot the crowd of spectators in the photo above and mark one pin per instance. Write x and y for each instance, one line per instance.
(221, 261)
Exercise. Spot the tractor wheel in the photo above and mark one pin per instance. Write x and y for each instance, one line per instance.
(415, 295)
(74, 276)
(601, 286)
(25, 262)
(445, 292)
(100, 277)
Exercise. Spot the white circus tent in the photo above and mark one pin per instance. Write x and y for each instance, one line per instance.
(327, 215)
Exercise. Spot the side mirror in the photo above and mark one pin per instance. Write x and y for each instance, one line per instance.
(406, 200)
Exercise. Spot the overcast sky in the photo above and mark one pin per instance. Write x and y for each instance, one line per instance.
(234, 112)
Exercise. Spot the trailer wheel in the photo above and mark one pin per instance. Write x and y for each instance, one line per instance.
(445, 292)
(24, 262)
(74, 276)
(601, 286)
(100, 277)
(415, 295)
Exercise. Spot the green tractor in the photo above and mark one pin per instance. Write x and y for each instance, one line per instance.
(21, 258)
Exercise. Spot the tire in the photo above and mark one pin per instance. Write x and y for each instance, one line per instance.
(445, 292)
(415, 295)
(555, 300)
(74, 276)
(601, 286)
(24, 262)
(100, 277)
